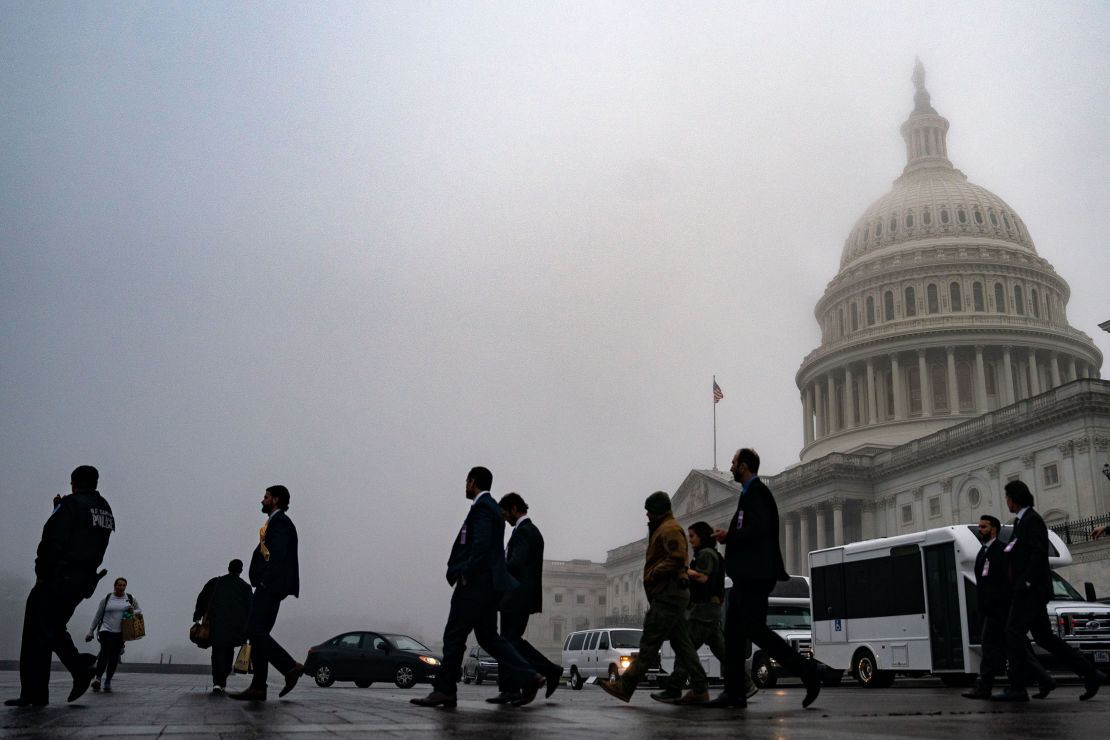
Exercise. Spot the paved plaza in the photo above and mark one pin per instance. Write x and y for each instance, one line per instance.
(168, 705)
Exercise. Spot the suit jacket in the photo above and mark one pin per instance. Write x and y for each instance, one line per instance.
(1028, 558)
(752, 548)
(477, 555)
(994, 588)
(226, 600)
(524, 561)
(280, 575)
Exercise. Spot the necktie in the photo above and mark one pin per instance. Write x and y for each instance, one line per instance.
(262, 541)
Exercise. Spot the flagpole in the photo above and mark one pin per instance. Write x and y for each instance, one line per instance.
(714, 425)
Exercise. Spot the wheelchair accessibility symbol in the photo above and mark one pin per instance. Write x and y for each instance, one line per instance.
(839, 626)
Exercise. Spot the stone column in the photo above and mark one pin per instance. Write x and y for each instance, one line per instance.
(1034, 374)
(1054, 366)
(892, 516)
(834, 415)
(838, 521)
(803, 539)
(919, 506)
(896, 380)
(1071, 369)
(867, 520)
(1008, 380)
(821, 430)
(822, 542)
(849, 398)
(872, 405)
(953, 386)
(980, 381)
(807, 415)
(924, 386)
(791, 546)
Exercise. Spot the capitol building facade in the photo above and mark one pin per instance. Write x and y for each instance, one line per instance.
(947, 367)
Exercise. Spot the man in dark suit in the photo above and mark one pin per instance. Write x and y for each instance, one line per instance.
(524, 560)
(753, 561)
(225, 601)
(1031, 583)
(476, 569)
(992, 586)
(275, 574)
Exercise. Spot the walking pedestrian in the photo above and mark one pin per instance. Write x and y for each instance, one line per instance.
(225, 601)
(107, 626)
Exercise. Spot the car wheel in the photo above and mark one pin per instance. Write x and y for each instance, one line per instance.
(466, 679)
(763, 673)
(404, 677)
(323, 675)
(576, 681)
(867, 672)
(363, 683)
(478, 677)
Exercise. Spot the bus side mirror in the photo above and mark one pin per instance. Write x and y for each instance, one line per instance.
(1089, 591)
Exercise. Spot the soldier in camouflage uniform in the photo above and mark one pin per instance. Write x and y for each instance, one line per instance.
(667, 587)
(707, 594)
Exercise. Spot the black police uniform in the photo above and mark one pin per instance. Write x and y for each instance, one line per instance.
(74, 539)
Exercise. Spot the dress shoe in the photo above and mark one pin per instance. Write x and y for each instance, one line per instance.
(726, 701)
(249, 694)
(435, 699)
(813, 688)
(750, 690)
(218, 691)
(21, 702)
(95, 685)
(977, 693)
(693, 697)
(504, 697)
(1045, 687)
(615, 689)
(82, 679)
(553, 679)
(291, 679)
(1092, 684)
(1012, 695)
(667, 696)
(528, 693)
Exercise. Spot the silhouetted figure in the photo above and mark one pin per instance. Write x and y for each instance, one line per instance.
(275, 574)
(107, 626)
(226, 601)
(74, 539)
(476, 569)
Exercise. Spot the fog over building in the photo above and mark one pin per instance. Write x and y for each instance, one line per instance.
(947, 367)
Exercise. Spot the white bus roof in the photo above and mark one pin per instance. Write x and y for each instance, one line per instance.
(963, 534)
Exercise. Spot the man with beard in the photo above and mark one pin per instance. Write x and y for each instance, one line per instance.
(275, 574)
(667, 586)
(753, 561)
(74, 539)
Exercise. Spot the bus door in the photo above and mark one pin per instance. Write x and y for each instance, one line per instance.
(827, 596)
(942, 586)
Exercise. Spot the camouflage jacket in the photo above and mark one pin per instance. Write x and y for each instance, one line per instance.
(667, 552)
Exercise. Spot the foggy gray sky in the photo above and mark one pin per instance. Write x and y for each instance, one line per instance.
(359, 248)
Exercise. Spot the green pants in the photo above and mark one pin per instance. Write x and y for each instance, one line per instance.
(704, 628)
(666, 621)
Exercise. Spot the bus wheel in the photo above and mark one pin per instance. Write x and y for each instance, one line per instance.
(867, 673)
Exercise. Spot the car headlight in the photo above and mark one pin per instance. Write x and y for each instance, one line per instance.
(429, 660)
(625, 661)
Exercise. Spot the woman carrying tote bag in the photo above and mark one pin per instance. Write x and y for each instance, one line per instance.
(108, 627)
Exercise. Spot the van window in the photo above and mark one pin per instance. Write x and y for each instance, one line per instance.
(625, 638)
(566, 644)
(576, 640)
(603, 641)
(1007, 532)
(591, 642)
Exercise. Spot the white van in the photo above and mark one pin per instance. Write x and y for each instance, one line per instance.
(908, 604)
(601, 653)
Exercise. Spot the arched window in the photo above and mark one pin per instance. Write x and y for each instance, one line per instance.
(932, 298)
(963, 385)
(893, 224)
(978, 217)
(1019, 301)
(888, 306)
(909, 220)
(954, 297)
(961, 216)
(999, 298)
(1034, 303)
(855, 317)
(1048, 306)
(1009, 223)
(944, 215)
(939, 377)
(977, 296)
(910, 306)
(994, 218)
(926, 217)
(870, 311)
(878, 229)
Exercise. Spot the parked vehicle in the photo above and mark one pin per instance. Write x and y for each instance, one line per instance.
(908, 605)
(601, 653)
(366, 657)
(479, 666)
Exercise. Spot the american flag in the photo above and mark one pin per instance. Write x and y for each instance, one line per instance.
(718, 394)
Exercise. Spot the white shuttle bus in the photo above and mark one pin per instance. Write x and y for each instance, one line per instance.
(908, 604)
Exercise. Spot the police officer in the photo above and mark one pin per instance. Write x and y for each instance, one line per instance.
(74, 539)
(667, 586)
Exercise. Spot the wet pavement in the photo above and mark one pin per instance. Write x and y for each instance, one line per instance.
(178, 706)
